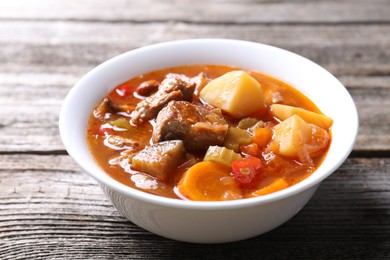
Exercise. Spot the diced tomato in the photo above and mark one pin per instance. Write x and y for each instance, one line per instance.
(124, 90)
(251, 149)
(105, 131)
(246, 171)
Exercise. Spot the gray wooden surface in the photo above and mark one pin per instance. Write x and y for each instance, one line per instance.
(50, 209)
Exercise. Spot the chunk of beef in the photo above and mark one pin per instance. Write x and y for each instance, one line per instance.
(199, 126)
(174, 82)
(150, 106)
(159, 160)
(173, 87)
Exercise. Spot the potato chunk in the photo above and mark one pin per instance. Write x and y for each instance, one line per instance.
(283, 112)
(235, 92)
(160, 159)
(290, 137)
(295, 138)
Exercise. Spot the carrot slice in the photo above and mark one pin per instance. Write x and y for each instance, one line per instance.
(270, 185)
(209, 181)
(262, 136)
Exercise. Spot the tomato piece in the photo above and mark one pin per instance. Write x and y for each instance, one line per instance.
(251, 149)
(105, 131)
(246, 171)
(124, 90)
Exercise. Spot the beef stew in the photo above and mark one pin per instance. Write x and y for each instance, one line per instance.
(208, 132)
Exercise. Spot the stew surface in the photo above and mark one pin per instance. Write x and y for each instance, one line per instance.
(208, 132)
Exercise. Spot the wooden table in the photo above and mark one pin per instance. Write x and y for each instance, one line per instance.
(49, 208)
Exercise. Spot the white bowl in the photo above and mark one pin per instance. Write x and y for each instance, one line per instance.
(210, 222)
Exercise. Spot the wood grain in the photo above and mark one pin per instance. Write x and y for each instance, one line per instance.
(51, 209)
(201, 11)
(52, 46)
(58, 54)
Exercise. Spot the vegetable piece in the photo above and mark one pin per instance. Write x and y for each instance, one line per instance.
(251, 149)
(259, 124)
(247, 171)
(160, 159)
(290, 137)
(209, 181)
(236, 137)
(270, 185)
(319, 140)
(247, 123)
(105, 131)
(121, 123)
(221, 155)
(235, 92)
(127, 108)
(101, 109)
(262, 136)
(283, 112)
(124, 90)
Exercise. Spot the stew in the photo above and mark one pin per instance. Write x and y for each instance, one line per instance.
(208, 132)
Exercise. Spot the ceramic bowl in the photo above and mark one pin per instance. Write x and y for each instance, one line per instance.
(210, 222)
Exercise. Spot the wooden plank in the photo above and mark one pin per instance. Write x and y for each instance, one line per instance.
(50, 209)
(58, 54)
(222, 11)
(134, 34)
(47, 46)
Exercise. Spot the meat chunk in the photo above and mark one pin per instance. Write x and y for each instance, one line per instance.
(173, 87)
(174, 82)
(149, 107)
(160, 159)
(199, 126)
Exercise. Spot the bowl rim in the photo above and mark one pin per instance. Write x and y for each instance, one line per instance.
(106, 180)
